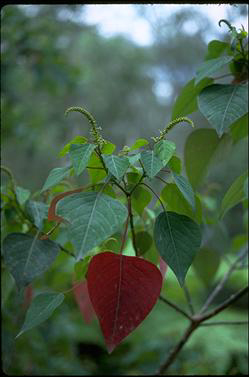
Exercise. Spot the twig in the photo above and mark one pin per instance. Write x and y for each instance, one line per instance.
(224, 323)
(132, 225)
(223, 281)
(142, 183)
(175, 307)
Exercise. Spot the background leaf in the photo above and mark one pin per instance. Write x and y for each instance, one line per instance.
(82, 298)
(175, 164)
(122, 305)
(41, 308)
(198, 151)
(144, 242)
(80, 155)
(206, 264)
(234, 194)
(140, 198)
(93, 217)
(27, 257)
(222, 105)
(177, 239)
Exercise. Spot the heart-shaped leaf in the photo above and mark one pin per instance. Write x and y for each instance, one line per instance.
(80, 155)
(28, 257)
(82, 298)
(185, 188)
(116, 165)
(55, 176)
(222, 105)
(38, 212)
(177, 239)
(123, 291)
(76, 140)
(93, 217)
(151, 163)
(41, 308)
(207, 68)
(164, 150)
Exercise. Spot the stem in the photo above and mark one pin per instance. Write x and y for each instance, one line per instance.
(175, 307)
(223, 281)
(124, 235)
(142, 183)
(132, 225)
(189, 300)
(224, 323)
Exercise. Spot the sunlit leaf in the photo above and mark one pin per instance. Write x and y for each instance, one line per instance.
(138, 144)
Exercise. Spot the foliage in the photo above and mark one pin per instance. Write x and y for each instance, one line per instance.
(62, 238)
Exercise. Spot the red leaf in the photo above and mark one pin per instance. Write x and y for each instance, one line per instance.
(163, 267)
(123, 291)
(82, 298)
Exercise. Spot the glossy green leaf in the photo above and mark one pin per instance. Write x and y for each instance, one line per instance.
(138, 144)
(175, 202)
(175, 164)
(164, 150)
(41, 308)
(116, 165)
(206, 264)
(28, 257)
(208, 67)
(76, 140)
(93, 217)
(186, 102)
(177, 239)
(185, 188)
(37, 211)
(96, 170)
(239, 129)
(222, 105)
(140, 198)
(215, 49)
(198, 152)
(234, 195)
(55, 176)
(152, 164)
(22, 194)
(80, 155)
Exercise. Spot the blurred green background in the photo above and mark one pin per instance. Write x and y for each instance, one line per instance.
(52, 58)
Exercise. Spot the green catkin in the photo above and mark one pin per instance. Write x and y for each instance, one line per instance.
(96, 136)
(170, 126)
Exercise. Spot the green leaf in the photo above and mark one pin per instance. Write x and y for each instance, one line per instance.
(175, 164)
(151, 163)
(41, 308)
(108, 148)
(245, 187)
(116, 165)
(206, 264)
(96, 170)
(177, 239)
(93, 217)
(198, 152)
(133, 159)
(138, 144)
(140, 198)
(28, 257)
(22, 195)
(207, 68)
(76, 140)
(186, 102)
(234, 195)
(80, 268)
(215, 49)
(239, 129)
(164, 150)
(222, 105)
(80, 155)
(185, 188)
(55, 176)
(37, 211)
(144, 242)
(175, 202)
